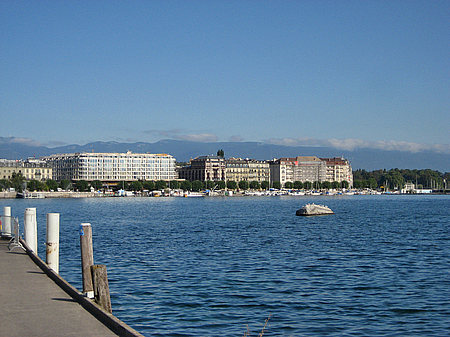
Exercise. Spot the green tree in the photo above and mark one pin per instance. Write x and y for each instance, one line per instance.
(209, 184)
(395, 179)
(52, 184)
(197, 185)
(255, 185)
(96, 185)
(136, 186)
(186, 185)
(335, 185)
(4, 184)
(326, 185)
(17, 181)
(174, 184)
(307, 185)
(123, 185)
(344, 184)
(289, 185)
(358, 184)
(220, 153)
(43, 186)
(276, 185)
(298, 185)
(33, 185)
(82, 185)
(148, 185)
(372, 183)
(231, 185)
(243, 185)
(160, 185)
(265, 185)
(221, 185)
(65, 184)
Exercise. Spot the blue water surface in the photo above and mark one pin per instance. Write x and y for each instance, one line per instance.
(219, 266)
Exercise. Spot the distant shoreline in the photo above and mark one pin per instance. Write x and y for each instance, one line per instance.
(77, 195)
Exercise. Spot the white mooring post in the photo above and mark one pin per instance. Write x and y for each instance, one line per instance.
(87, 258)
(53, 241)
(30, 229)
(6, 222)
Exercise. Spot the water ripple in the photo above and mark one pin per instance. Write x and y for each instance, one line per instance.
(213, 267)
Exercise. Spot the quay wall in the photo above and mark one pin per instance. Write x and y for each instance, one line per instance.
(70, 194)
(7, 195)
(13, 195)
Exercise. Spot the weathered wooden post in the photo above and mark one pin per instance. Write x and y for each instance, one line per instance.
(6, 222)
(101, 286)
(30, 229)
(53, 241)
(87, 258)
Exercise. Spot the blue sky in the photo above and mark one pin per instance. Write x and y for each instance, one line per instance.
(342, 73)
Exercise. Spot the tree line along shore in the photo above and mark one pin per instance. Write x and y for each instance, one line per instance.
(394, 179)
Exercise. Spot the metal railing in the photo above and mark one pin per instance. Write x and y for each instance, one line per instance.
(14, 235)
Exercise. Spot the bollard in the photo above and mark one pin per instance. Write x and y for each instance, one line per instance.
(6, 223)
(101, 287)
(30, 229)
(87, 258)
(53, 241)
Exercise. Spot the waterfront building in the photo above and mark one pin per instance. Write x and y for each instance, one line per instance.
(238, 169)
(204, 168)
(301, 168)
(339, 169)
(281, 170)
(215, 168)
(310, 168)
(31, 169)
(112, 167)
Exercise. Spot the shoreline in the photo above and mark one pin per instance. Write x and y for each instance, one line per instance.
(76, 195)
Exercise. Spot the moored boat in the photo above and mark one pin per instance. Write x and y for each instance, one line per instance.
(194, 195)
(30, 195)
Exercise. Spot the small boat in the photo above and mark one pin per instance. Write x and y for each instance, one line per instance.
(313, 209)
(30, 195)
(194, 195)
(296, 193)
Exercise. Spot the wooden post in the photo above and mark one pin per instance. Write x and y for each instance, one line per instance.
(52, 256)
(87, 258)
(101, 286)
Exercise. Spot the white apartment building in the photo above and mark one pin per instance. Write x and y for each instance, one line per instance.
(339, 169)
(312, 169)
(281, 170)
(111, 167)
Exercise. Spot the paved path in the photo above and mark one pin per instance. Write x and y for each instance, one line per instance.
(31, 304)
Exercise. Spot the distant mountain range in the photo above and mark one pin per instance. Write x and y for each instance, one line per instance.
(365, 158)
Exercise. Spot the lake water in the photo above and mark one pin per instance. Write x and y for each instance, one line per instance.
(213, 266)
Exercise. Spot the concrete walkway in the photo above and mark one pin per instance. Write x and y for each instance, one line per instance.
(31, 304)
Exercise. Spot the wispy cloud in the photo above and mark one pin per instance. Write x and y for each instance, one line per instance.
(350, 144)
(200, 137)
(125, 140)
(55, 143)
(180, 134)
(20, 140)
